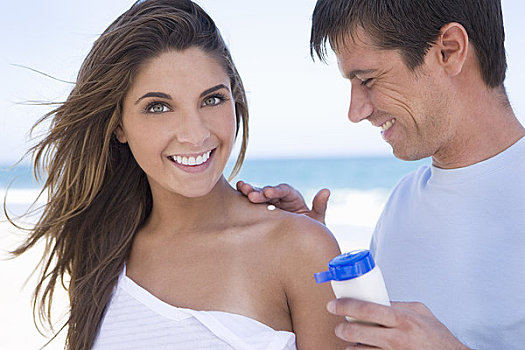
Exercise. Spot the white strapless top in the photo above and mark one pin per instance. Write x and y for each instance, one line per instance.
(136, 319)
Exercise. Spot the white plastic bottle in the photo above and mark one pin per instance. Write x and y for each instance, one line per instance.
(355, 275)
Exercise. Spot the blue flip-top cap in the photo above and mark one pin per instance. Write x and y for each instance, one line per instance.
(347, 266)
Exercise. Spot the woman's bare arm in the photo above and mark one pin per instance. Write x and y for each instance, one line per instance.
(310, 246)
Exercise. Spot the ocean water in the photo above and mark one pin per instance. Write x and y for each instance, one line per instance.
(360, 173)
(363, 173)
(359, 185)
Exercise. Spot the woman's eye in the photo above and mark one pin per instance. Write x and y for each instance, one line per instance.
(212, 101)
(157, 108)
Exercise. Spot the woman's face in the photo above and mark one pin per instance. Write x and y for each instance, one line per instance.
(179, 121)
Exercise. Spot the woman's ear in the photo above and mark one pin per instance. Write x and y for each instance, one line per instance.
(120, 134)
(453, 45)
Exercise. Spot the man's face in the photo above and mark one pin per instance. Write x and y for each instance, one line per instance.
(408, 106)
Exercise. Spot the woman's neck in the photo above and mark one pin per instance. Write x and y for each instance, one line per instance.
(175, 214)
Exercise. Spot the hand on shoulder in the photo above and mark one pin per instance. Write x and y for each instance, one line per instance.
(287, 198)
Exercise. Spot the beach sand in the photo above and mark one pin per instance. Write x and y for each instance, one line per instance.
(16, 318)
(17, 329)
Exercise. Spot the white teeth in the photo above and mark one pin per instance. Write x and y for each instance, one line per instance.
(192, 161)
(387, 125)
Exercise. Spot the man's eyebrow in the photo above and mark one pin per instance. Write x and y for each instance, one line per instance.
(357, 72)
(154, 94)
(215, 88)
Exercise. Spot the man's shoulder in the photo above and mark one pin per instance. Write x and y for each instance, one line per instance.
(415, 179)
(406, 192)
(403, 198)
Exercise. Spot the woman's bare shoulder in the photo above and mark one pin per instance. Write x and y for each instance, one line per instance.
(303, 247)
(301, 235)
(294, 237)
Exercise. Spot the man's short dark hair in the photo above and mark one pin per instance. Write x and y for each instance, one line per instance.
(412, 26)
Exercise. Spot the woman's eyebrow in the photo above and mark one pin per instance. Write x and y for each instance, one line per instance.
(154, 94)
(216, 87)
(168, 97)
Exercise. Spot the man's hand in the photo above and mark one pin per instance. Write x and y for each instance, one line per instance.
(285, 197)
(407, 326)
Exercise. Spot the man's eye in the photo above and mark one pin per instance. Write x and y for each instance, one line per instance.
(366, 81)
(157, 108)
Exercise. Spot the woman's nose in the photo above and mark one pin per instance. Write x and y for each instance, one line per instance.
(191, 128)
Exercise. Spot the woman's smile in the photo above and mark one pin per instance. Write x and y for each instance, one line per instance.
(194, 163)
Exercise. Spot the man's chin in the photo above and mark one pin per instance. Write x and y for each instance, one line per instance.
(407, 155)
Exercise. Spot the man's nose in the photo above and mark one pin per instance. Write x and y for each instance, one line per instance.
(360, 105)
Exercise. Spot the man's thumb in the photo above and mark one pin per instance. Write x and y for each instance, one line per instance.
(320, 204)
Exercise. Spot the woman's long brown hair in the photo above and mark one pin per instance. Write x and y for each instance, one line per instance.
(98, 197)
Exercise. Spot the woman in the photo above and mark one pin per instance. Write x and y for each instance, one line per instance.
(158, 249)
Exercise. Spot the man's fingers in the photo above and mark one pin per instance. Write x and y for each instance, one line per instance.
(244, 188)
(282, 196)
(257, 197)
(283, 192)
(270, 192)
(416, 307)
(319, 205)
(361, 335)
(254, 194)
(363, 310)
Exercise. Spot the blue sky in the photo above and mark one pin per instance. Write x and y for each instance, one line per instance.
(298, 107)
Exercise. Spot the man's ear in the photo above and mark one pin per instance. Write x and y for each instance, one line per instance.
(120, 134)
(453, 45)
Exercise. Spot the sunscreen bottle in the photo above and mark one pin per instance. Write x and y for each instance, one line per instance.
(355, 275)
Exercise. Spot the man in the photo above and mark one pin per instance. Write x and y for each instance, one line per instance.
(451, 238)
